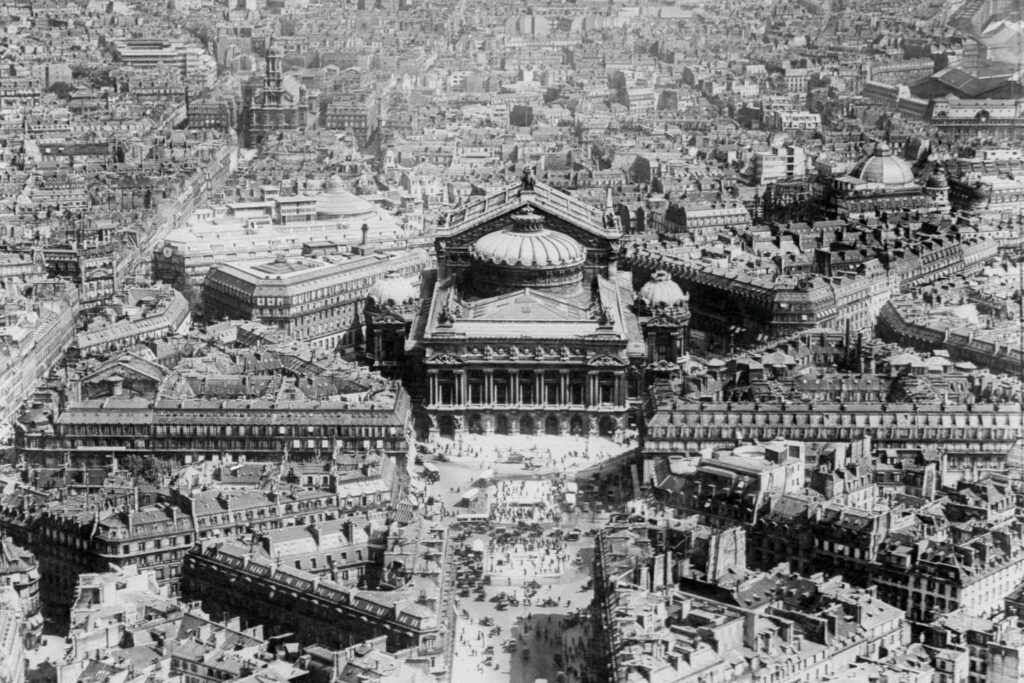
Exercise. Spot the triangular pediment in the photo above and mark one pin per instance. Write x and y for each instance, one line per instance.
(662, 321)
(444, 359)
(563, 212)
(387, 318)
(606, 362)
(527, 304)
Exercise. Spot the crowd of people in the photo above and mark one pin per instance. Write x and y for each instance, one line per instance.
(515, 491)
(527, 559)
(565, 453)
(532, 501)
(566, 638)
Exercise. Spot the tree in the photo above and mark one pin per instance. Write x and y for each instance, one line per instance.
(61, 89)
(146, 467)
(552, 94)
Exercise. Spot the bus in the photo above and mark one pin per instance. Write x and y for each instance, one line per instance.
(472, 517)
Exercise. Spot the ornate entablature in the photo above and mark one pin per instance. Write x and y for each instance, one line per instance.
(593, 354)
(444, 359)
(607, 362)
(663, 321)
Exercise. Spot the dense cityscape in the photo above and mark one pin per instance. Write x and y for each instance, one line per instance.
(581, 341)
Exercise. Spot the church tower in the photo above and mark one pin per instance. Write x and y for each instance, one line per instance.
(272, 82)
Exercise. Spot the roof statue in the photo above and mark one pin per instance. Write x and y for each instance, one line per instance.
(529, 179)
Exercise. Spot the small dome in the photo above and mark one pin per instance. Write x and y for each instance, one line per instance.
(937, 180)
(393, 289)
(661, 291)
(882, 166)
(529, 244)
(337, 202)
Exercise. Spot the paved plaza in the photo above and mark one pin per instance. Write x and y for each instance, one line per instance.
(521, 485)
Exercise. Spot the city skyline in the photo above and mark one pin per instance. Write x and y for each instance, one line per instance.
(581, 341)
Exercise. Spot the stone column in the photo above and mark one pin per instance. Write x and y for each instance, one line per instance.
(513, 387)
(563, 388)
(538, 387)
(463, 388)
(433, 388)
(592, 394)
(488, 397)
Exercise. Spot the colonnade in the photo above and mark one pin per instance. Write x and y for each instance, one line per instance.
(527, 387)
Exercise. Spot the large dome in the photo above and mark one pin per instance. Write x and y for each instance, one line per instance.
(337, 202)
(882, 166)
(528, 255)
(661, 291)
(393, 290)
(532, 248)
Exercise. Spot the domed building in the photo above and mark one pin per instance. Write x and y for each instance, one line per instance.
(337, 203)
(661, 292)
(393, 290)
(529, 327)
(881, 181)
(526, 254)
(937, 189)
(883, 168)
(389, 312)
(664, 311)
